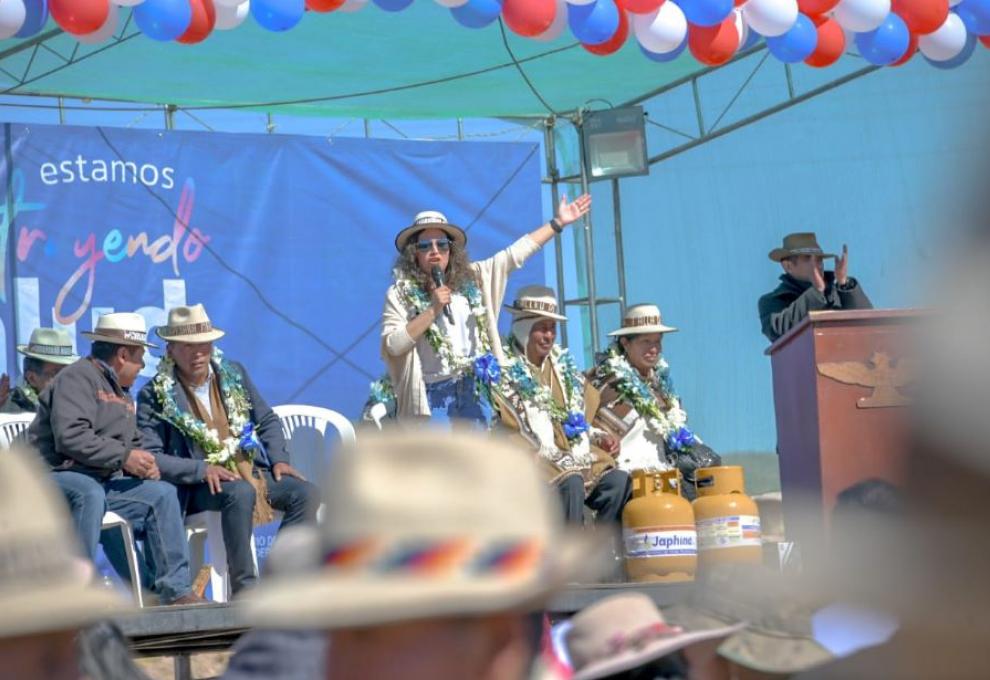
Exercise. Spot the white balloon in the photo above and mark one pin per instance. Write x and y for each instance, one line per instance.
(946, 42)
(452, 3)
(662, 30)
(742, 28)
(231, 17)
(559, 24)
(103, 32)
(771, 18)
(219, 3)
(352, 5)
(133, 3)
(861, 15)
(12, 14)
(580, 2)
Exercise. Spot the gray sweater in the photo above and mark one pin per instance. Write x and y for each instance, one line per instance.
(86, 421)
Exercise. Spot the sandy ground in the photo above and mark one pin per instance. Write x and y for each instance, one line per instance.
(208, 665)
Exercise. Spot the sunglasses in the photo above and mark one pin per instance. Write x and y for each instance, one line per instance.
(443, 245)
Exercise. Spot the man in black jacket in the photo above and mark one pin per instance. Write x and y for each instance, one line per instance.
(217, 440)
(805, 286)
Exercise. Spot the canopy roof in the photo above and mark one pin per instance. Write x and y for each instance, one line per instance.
(418, 63)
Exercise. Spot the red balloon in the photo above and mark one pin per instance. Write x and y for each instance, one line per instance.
(831, 43)
(985, 39)
(641, 6)
(816, 7)
(714, 45)
(323, 5)
(740, 3)
(204, 18)
(615, 42)
(921, 16)
(909, 52)
(529, 18)
(79, 17)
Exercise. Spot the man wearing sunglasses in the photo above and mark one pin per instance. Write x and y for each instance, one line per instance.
(440, 322)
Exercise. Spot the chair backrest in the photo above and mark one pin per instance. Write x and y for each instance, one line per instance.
(310, 442)
(316, 417)
(13, 426)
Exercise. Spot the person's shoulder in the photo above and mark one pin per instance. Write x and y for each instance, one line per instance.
(82, 370)
(147, 393)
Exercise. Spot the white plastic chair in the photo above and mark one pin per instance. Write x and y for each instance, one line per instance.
(13, 427)
(316, 417)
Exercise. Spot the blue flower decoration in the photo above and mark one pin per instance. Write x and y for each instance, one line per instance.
(486, 369)
(575, 425)
(682, 439)
(249, 442)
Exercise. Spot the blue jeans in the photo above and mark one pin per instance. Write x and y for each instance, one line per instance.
(87, 502)
(456, 398)
(152, 509)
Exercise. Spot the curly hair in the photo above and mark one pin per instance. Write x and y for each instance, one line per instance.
(458, 272)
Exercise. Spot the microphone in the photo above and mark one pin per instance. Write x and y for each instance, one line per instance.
(437, 274)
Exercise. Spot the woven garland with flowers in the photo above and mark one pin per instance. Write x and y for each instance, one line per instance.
(418, 301)
(235, 401)
(667, 421)
(26, 395)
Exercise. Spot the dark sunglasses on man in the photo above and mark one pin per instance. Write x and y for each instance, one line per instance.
(425, 246)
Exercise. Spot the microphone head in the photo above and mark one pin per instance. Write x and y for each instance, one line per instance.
(437, 275)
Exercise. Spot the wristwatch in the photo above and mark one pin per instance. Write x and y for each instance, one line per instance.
(556, 224)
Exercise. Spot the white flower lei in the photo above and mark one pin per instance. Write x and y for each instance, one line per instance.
(235, 401)
(417, 301)
(630, 385)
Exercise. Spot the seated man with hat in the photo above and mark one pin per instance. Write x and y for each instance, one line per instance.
(86, 424)
(216, 438)
(542, 395)
(638, 404)
(805, 286)
(441, 313)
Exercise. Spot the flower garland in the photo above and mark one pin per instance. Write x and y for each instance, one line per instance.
(629, 383)
(235, 401)
(418, 301)
(26, 393)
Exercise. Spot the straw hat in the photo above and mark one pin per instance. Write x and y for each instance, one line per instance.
(805, 243)
(640, 319)
(536, 301)
(431, 219)
(121, 328)
(51, 345)
(623, 632)
(41, 589)
(190, 325)
(425, 524)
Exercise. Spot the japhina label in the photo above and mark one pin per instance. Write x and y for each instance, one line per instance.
(648, 542)
(732, 531)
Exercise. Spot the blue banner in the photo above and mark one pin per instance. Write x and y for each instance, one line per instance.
(287, 240)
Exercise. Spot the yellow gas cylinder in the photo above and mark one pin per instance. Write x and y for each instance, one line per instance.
(728, 520)
(658, 529)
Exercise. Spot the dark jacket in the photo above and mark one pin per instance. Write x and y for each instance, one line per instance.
(785, 307)
(85, 421)
(181, 461)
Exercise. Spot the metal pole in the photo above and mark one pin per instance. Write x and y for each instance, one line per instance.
(367, 128)
(460, 129)
(61, 112)
(620, 257)
(790, 81)
(270, 126)
(550, 148)
(589, 245)
(170, 116)
(697, 107)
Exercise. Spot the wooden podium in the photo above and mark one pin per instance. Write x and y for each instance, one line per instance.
(841, 381)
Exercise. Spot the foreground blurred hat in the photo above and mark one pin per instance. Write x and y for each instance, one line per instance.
(623, 632)
(41, 589)
(425, 524)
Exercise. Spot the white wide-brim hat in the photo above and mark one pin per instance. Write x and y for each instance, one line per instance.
(51, 345)
(41, 590)
(627, 631)
(431, 219)
(640, 319)
(189, 325)
(121, 328)
(535, 301)
(447, 543)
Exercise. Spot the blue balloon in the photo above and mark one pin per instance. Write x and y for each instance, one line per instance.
(666, 56)
(959, 59)
(477, 13)
(797, 44)
(752, 37)
(705, 12)
(595, 23)
(163, 20)
(393, 5)
(35, 18)
(887, 43)
(975, 14)
(277, 15)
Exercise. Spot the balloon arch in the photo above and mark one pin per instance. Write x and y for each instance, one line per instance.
(816, 32)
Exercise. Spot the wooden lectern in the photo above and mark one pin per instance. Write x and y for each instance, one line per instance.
(841, 382)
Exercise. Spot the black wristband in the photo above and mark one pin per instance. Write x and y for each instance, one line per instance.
(556, 225)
